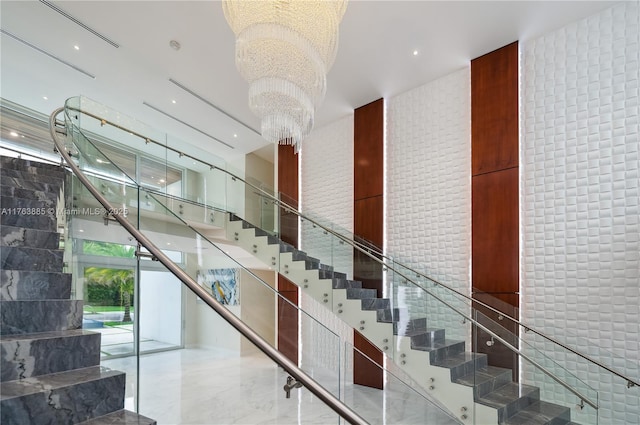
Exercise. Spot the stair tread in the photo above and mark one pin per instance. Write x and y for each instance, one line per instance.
(482, 375)
(33, 385)
(436, 345)
(538, 413)
(28, 237)
(506, 394)
(46, 335)
(120, 417)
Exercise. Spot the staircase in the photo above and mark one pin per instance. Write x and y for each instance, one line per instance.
(463, 381)
(50, 367)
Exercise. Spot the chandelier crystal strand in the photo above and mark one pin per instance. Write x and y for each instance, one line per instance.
(284, 49)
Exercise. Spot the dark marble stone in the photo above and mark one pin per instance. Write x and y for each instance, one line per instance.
(510, 398)
(16, 192)
(28, 285)
(22, 317)
(33, 259)
(485, 380)
(462, 364)
(409, 327)
(34, 174)
(26, 184)
(121, 417)
(339, 283)
(260, 232)
(541, 413)
(46, 222)
(272, 240)
(34, 167)
(328, 274)
(20, 236)
(360, 293)
(298, 255)
(24, 356)
(32, 204)
(285, 247)
(384, 316)
(427, 336)
(441, 349)
(70, 397)
(376, 304)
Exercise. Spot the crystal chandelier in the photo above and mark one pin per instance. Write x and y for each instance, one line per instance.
(284, 49)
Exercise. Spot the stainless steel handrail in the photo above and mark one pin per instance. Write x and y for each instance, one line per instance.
(363, 248)
(319, 391)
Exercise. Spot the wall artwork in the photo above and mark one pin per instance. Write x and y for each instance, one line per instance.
(223, 284)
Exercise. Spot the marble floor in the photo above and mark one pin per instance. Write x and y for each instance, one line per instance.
(202, 387)
(118, 341)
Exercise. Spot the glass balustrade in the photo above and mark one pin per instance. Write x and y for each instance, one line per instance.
(327, 257)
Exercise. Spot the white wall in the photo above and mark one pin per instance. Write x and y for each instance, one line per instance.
(160, 309)
(326, 191)
(428, 196)
(580, 168)
(258, 307)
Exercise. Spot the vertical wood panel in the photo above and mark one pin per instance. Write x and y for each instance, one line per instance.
(368, 147)
(494, 110)
(288, 315)
(494, 223)
(495, 199)
(368, 174)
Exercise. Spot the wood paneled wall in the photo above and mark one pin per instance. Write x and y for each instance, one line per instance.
(494, 189)
(368, 198)
(287, 314)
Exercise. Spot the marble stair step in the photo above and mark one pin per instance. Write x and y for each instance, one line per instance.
(439, 350)
(32, 185)
(462, 364)
(285, 247)
(120, 417)
(27, 285)
(35, 205)
(35, 175)
(485, 380)
(408, 327)
(33, 259)
(360, 293)
(28, 355)
(384, 316)
(339, 283)
(331, 274)
(376, 304)
(427, 336)
(16, 192)
(30, 166)
(24, 317)
(34, 238)
(62, 398)
(31, 219)
(510, 399)
(541, 413)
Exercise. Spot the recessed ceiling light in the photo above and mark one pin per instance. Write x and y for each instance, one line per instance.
(161, 180)
(235, 135)
(45, 97)
(76, 47)
(168, 243)
(415, 53)
(81, 230)
(14, 134)
(173, 101)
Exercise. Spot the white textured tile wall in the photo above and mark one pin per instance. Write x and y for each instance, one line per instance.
(429, 189)
(580, 190)
(326, 191)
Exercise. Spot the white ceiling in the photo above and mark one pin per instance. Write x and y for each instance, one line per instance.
(375, 57)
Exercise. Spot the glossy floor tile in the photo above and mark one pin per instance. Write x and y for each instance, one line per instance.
(197, 386)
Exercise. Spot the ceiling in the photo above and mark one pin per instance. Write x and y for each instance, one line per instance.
(143, 76)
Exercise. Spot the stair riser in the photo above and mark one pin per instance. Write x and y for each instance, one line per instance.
(376, 304)
(35, 175)
(344, 283)
(326, 274)
(441, 353)
(27, 285)
(519, 404)
(486, 387)
(26, 358)
(360, 293)
(469, 367)
(16, 192)
(26, 184)
(21, 236)
(21, 317)
(45, 222)
(67, 405)
(408, 327)
(28, 205)
(33, 259)
(428, 337)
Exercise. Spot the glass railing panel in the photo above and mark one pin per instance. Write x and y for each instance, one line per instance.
(536, 368)
(402, 402)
